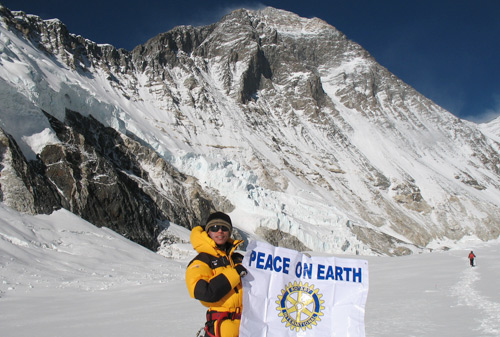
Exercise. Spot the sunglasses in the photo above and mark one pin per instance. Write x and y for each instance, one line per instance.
(217, 227)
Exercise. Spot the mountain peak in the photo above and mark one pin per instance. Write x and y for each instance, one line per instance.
(278, 119)
(291, 23)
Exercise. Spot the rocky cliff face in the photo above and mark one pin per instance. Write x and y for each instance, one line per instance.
(105, 177)
(24, 186)
(280, 119)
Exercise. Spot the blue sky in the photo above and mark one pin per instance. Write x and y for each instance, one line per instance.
(449, 50)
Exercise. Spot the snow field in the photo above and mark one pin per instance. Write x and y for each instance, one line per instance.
(61, 276)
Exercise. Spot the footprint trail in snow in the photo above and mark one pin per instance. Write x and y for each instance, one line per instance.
(467, 294)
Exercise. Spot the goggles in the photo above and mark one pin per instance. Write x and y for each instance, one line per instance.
(216, 228)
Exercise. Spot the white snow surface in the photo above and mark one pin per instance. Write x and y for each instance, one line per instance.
(62, 276)
(492, 128)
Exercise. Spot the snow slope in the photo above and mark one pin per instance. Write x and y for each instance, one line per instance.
(61, 276)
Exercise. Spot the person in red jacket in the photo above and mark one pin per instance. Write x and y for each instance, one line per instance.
(471, 258)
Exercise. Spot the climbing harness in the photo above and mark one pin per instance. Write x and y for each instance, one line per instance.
(215, 317)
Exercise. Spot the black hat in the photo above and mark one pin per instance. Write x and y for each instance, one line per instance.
(219, 218)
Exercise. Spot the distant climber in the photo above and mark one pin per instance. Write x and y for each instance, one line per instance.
(471, 258)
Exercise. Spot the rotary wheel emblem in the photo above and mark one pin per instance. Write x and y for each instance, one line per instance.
(300, 306)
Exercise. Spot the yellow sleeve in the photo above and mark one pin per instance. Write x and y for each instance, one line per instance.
(195, 272)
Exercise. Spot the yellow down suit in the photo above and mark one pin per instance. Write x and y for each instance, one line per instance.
(212, 279)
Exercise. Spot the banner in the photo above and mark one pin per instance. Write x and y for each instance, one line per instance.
(287, 293)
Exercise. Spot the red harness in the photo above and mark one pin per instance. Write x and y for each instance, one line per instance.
(218, 317)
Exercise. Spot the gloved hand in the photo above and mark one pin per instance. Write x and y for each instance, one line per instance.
(241, 270)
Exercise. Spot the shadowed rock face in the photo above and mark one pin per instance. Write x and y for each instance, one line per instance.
(24, 186)
(97, 173)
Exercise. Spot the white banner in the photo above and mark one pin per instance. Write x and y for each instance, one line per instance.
(287, 293)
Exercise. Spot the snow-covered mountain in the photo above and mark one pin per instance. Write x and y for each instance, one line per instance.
(279, 120)
(492, 128)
